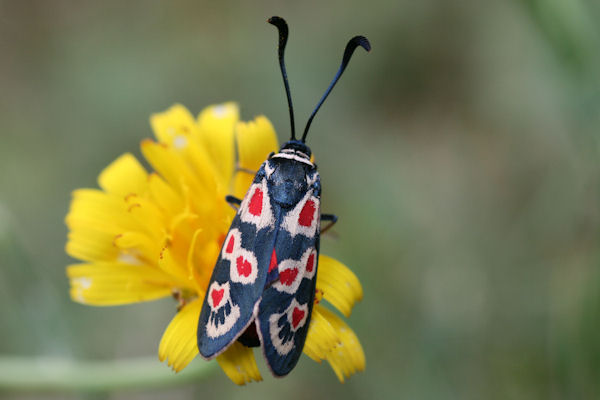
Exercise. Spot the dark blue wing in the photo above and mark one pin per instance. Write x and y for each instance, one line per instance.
(239, 276)
(286, 306)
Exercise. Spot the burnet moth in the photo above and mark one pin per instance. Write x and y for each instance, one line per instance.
(262, 289)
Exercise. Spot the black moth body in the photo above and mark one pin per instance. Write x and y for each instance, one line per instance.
(262, 289)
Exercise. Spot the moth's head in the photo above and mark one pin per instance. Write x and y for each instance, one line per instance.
(296, 147)
(290, 173)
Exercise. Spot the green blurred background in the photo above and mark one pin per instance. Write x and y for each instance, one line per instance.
(461, 156)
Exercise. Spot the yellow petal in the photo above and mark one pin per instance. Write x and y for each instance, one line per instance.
(339, 285)
(175, 126)
(165, 197)
(239, 364)
(347, 357)
(178, 345)
(149, 217)
(139, 245)
(123, 176)
(107, 284)
(201, 258)
(102, 223)
(169, 265)
(88, 244)
(321, 337)
(98, 210)
(177, 129)
(216, 125)
(241, 183)
(203, 166)
(173, 168)
(255, 140)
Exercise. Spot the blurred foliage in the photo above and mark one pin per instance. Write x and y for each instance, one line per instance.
(461, 155)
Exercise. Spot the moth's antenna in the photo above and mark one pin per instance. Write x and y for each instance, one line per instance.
(350, 47)
(283, 37)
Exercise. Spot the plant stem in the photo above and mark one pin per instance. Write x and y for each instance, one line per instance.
(47, 374)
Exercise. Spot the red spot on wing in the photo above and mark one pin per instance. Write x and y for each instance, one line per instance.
(297, 316)
(230, 245)
(310, 264)
(217, 295)
(287, 277)
(307, 214)
(243, 266)
(255, 206)
(273, 263)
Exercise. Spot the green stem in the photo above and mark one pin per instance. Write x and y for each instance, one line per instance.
(59, 375)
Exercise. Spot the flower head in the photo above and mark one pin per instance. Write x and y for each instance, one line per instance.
(145, 236)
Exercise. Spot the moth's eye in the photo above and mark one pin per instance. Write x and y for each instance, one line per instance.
(269, 169)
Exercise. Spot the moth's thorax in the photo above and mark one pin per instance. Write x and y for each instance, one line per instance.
(290, 174)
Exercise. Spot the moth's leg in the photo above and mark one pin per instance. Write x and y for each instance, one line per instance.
(233, 202)
(178, 296)
(331, 218)
(246, 170)
(239, 168)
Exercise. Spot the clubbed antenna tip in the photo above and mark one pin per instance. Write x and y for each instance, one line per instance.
(348, 51)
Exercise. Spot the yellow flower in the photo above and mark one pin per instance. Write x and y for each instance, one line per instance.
(144, 236)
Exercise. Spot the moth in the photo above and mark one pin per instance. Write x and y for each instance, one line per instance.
(262, 288)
